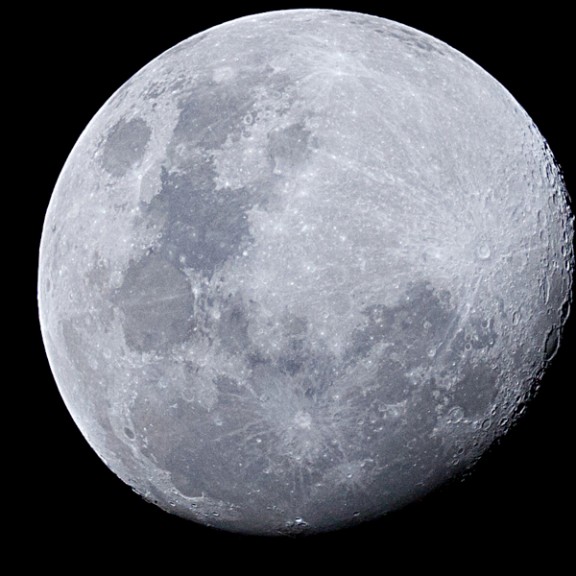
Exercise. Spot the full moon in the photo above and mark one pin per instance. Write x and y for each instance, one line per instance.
(302, 269)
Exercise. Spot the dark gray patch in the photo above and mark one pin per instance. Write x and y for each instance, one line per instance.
(157, 305)
(190, 469)
(292, 358)
(233, 326)
(76, 346)
(306, 374)
(413, 332)
(99, 274)
(395, 385)
(125, 146)
(295, 353)
(392, 442)
(476, 389)
(289, 147)
(202, 225)
(240, 436)
(222, 450)
(154, 90)
(294, 326)
(414, 39)
(212, 114)
(399, 338)
(158, 414)
(419, 467)
(418, 323)
(379, 326)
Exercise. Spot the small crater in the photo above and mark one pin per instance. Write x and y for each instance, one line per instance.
(455, 415)
(486, 424)
(483, 251)
(565, 310)
(551, 344)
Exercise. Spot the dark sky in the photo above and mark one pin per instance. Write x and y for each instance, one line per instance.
(521, 494)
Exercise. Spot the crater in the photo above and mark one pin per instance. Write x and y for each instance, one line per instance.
(477, 334)
(289, 147)
(476, 389)
(125, 146)
(551, 344)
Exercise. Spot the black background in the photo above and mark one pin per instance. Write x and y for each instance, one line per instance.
(516, 504)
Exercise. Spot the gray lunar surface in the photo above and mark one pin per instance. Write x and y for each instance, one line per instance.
(301, 269)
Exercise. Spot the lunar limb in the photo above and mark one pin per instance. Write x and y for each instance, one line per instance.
(302, 269)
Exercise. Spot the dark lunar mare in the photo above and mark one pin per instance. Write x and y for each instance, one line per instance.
(354, 431)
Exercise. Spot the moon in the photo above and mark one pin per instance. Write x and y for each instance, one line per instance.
(302, 269)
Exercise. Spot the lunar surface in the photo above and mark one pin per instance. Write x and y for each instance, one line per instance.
(302, 269)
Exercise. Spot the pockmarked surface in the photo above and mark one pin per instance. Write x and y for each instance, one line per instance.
(302, 269)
